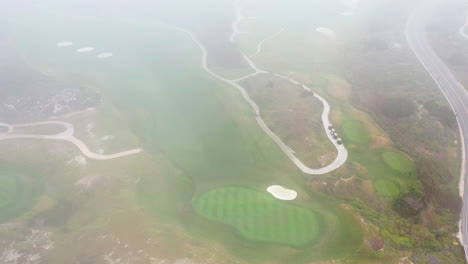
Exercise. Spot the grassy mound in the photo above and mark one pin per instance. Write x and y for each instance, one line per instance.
(18, 192)
(259, 217)
(398, 161)
(355, 131)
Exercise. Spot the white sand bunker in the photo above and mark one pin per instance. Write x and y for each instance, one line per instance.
(282, 193)
(65, 44)
(326, 31)
(104, 55)
(85, 49)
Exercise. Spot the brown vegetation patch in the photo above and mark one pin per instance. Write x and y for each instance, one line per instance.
(295, 115)
(338, 87)
(375, 243)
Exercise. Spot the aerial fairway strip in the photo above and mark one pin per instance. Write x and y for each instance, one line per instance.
(8, 189)
(19, 191)
(398, 161)
(259, 217)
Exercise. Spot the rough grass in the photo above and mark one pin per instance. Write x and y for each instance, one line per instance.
(19, 191)
(355, 131)
(258, 216)
(294, 115)
(398, 161)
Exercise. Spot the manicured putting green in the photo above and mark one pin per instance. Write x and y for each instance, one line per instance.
(388, 188)
(258, 216)
(397, 161)
(355, 131)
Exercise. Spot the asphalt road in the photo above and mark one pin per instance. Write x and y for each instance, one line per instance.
(67, 135)
(452, 89)
(342, 155)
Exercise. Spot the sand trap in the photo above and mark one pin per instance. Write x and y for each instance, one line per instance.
(65, 44)
(347, 13)
(282, 193)
(326, 31)
(104, 55)
(85, 49)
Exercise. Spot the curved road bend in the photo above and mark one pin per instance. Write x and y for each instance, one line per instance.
(342, 155)
(67, 135)
(463, 29)
(342, 152)
(451, 88)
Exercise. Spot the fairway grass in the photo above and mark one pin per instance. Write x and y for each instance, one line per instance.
(388, 188)
(356, 132)
(259, 217)
(8, 189)
(398, 161)
(19, 191)
(200, 135)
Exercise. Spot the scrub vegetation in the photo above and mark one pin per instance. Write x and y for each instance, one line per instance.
(295, 115)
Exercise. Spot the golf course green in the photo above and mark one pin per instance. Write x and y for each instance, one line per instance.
(356, 132)
(259, 217)
(199, 136)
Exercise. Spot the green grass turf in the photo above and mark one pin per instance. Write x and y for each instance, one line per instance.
(398, 161)
(8, 189)
(388, 187)
(356, 132)
(198, 134)
(258, 216)
(388, 181)
(19, 191)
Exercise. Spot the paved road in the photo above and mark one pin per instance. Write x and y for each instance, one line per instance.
(341, 149)
(463, 29)
(66, 135)
(452, 89)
